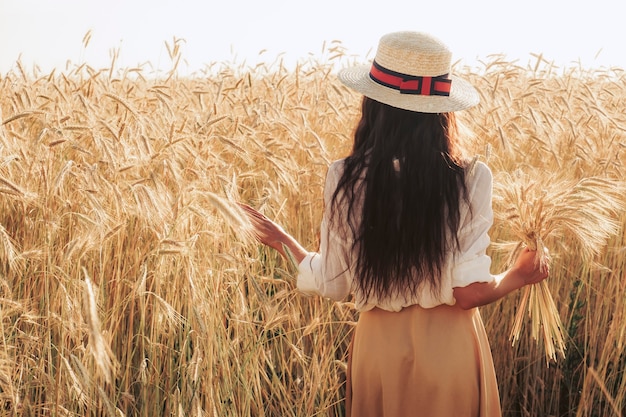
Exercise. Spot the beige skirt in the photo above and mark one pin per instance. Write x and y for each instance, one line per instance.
(421, 362)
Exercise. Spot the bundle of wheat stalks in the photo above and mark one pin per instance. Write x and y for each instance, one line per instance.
(568, 216)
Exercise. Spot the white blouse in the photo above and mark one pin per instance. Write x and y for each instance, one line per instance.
(329, 272)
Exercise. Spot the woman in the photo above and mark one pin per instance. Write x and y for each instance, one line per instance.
(405, 229)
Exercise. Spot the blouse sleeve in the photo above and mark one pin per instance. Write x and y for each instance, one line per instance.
(472, 264)
(328, 272)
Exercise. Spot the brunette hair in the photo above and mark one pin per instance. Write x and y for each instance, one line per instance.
(403, 184)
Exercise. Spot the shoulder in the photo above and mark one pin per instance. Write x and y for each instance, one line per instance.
(479, 175)
(336, 166)
(335, 170)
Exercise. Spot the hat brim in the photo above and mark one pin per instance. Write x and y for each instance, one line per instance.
(462, 94)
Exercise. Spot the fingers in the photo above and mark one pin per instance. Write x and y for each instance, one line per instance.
(535, 265)
(251, 212)
(256, 220)
(263, 229)
(259, 221)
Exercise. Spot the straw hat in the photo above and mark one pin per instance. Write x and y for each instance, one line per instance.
(411, 71)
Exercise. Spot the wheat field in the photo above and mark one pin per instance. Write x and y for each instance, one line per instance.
(128, 286)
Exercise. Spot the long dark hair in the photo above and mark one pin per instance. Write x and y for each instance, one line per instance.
(404, 182)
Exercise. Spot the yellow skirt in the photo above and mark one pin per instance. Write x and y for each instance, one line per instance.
(421, 362)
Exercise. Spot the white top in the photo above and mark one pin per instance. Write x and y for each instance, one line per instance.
(329, 272)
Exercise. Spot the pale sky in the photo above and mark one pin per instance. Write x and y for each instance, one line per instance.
(49, 33)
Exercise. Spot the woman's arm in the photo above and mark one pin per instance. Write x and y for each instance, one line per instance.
(524, 272)
(325, 273)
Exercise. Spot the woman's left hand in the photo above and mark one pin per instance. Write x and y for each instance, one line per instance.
(273, 235)
(265, 230)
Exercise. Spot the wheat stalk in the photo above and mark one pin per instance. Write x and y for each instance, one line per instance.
(129, 181)
(576, 216)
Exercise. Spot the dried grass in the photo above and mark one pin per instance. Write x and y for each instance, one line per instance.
(125, 260)
(561, 216)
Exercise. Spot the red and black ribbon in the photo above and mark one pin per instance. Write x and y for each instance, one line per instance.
(411, 84)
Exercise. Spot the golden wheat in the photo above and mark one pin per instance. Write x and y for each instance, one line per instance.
(571, 216)
(124, 259)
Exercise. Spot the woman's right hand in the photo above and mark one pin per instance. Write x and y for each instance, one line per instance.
(526, 270)
(529, 267)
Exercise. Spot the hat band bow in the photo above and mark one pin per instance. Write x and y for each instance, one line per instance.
(411, 84)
